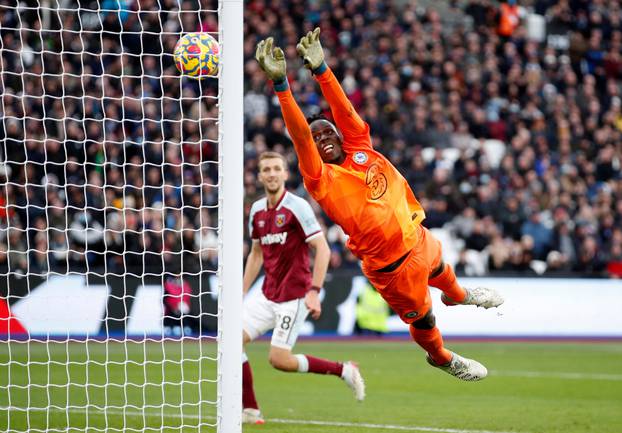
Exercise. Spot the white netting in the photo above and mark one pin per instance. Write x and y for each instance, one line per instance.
(108, 218)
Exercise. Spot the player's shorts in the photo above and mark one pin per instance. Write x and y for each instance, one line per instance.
(406, 288)
(285, 318)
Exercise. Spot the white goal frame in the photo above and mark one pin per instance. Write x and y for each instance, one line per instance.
(230, 232)
(231, 197)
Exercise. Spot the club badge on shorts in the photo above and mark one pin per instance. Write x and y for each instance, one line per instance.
(411, 314)
(360, 157)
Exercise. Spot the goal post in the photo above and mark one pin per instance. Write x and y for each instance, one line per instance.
(231, 222)
(121, 218)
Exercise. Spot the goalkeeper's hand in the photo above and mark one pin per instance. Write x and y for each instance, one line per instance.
(272, 61)
(310, 49)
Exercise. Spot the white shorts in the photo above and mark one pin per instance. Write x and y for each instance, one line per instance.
(286, 318)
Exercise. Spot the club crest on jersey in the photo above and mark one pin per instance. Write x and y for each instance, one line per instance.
(376, 181)
(360, 157)
(280, 220)
(261, 223)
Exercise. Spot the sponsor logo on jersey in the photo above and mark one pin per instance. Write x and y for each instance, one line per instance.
(274, 238)
(360, 157)
(280, 220)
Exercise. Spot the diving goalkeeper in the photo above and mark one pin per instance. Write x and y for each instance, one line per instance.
(360, 190)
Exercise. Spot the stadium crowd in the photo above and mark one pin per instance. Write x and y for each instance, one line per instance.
(513, 146)
(440, 89)
(110, 159)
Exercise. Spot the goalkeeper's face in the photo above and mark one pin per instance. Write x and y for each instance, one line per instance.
(328, 141)
(272, 174)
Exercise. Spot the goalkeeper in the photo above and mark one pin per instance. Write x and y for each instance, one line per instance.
(360, 190)
(283, 227)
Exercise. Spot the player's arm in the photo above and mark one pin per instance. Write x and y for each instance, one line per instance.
(309, 158)
(254, 261)
(320, 266)
(347, 119)
(272, 61)
(322, 257)
(316, 240)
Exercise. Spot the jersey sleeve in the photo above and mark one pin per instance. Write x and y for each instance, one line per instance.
(306, 218)
(355, 131)
(309, 159)
(251, 219)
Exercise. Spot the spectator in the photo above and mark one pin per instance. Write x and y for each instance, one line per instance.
(478, 239)
(177, 306)
(372, 312)
(540, 235)
(590, 260)
(509, 19)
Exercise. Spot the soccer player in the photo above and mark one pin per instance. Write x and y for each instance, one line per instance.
(282, 227)
(360, 190)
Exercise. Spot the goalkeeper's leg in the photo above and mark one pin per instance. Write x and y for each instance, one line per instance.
(428, 336)
(441, 276)
(444, 278)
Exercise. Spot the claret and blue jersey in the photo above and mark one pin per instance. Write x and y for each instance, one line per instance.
(283, 233)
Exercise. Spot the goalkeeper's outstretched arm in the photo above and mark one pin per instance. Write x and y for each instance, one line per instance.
(272, 61)
(347, 119)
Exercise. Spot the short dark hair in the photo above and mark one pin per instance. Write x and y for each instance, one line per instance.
(317, 116)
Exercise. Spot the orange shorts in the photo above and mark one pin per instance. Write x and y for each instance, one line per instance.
(406, 288)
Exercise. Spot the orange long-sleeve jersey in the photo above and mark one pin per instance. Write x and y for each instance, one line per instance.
(365, 195)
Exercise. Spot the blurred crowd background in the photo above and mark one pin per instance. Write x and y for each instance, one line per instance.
(110, 159)
(506, 120)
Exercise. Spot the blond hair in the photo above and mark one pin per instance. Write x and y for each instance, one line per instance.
(269, 154)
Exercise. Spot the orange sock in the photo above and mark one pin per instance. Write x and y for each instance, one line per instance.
(446, 282)
(432, 342)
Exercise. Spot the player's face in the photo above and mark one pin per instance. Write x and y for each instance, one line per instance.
(272, 174)
(327, 140)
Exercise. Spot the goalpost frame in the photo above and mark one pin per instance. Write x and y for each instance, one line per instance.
(230, 233)
(112, 377)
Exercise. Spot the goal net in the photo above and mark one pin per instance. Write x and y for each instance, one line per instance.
(119, 182)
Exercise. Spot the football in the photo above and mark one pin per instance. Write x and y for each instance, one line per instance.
(197, 55)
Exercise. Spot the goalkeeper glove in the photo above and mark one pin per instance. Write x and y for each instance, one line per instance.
(272, 61)
(310, 49)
